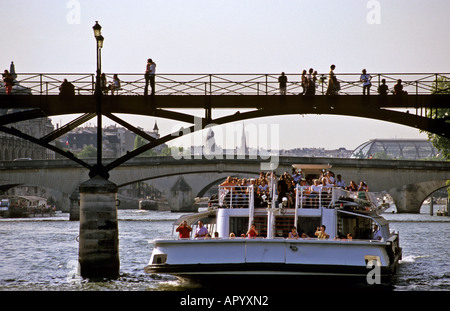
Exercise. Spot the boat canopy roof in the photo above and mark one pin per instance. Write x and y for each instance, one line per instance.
(208, 217)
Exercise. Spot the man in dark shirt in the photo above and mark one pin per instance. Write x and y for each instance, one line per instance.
(283, 83)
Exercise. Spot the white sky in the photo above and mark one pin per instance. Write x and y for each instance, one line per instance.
(236, 36)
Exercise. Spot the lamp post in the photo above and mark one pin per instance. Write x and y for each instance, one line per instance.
(98, 98)
(99, 233)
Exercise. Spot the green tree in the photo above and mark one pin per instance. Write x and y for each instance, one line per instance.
(88, 151)
(441, 86)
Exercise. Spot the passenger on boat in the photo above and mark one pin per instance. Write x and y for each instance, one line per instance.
(201, 231)
(352, 186)
(315, 189)
(339, 182)
(184, 229)
(363, 187)
(376, 233)
(321, 234)
(293, 234)
(228, 186)
(252, 232)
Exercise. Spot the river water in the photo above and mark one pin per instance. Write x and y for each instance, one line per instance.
(41, 254)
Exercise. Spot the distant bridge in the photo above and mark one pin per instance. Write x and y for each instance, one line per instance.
(408, 182)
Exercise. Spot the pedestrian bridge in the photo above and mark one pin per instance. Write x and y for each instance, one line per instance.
(246, 95)
(408, 182)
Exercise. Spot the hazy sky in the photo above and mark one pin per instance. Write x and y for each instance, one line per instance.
(236, 36)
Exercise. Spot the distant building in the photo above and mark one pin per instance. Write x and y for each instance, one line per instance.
(12, 147)
(116, 141)
(406, 149)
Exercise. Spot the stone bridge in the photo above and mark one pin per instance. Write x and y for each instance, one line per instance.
(408, 182)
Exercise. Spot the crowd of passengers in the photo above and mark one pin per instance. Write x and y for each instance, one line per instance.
(236, 189)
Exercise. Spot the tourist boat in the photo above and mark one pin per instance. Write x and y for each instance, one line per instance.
(24, 206)
(272, 253)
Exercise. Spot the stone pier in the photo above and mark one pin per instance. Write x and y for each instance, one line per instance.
(74, 212)
(99, 234)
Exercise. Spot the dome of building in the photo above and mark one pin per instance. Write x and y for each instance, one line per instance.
(401, 149)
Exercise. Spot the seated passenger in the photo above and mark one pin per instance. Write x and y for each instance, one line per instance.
(339, 182)
(252, 232)
(352, 186)
(293, 234)
(376, 233)
(321, 234)
(363, 187)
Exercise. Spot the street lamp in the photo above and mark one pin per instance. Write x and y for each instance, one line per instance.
(98, 36)
(97, 29)
(99, 169)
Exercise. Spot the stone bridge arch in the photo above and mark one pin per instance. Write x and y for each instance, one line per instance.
(409, 198)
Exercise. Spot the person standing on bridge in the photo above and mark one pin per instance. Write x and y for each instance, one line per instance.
(333, 84)
(8, 79)
(365, 78)
(150, 76)
(283, 83)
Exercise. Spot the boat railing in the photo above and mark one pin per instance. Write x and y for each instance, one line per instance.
(236, 196)
(305, 198)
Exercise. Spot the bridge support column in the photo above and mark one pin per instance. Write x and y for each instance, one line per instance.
(407, 202)
(99, 234)
(74, 213)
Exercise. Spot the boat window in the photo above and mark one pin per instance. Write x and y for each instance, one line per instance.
(238, 225)
(359, 227)
(308, 225)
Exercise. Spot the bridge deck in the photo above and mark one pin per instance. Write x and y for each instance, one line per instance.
(57, 105)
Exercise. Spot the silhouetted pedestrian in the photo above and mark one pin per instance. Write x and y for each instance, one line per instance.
(115, 85)
(398, 88)
(311, 82)
(66, 89)
(333, 83)
(150, 76)
(366, 80)
(304, 82)
(283, 83)
(8, 79)
(383, 88)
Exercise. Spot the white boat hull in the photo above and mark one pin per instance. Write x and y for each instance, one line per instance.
(204, 259)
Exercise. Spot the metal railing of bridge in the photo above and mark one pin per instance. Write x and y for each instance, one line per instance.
(226, 84)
